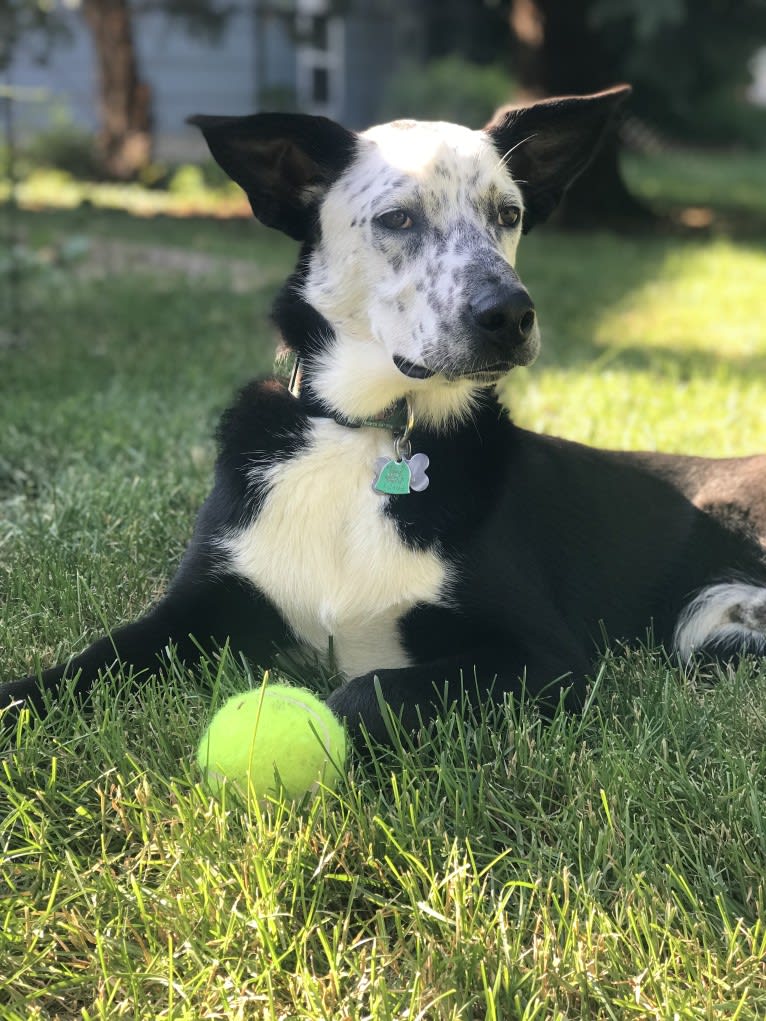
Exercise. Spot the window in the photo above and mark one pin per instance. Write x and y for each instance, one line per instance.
(320, 58)
(318, 35)
(320, 85)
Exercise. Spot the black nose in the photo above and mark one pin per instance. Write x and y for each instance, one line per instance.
(505, 314)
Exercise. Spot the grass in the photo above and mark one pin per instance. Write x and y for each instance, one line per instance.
(604, 866)
(671, 333)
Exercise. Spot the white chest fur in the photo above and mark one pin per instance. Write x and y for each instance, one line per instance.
(325, 553)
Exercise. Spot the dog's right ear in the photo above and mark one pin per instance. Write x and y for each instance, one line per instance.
(285, 162)
(547, 145)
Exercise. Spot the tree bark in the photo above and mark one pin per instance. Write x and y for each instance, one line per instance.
(559, 53)
(125, 136)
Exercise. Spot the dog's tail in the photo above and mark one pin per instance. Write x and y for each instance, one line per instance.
(724, 620)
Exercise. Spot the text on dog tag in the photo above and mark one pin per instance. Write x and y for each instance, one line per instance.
(393, 478)
(400, 477)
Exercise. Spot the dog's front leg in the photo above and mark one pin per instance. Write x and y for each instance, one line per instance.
(135, 647)
(418, 694)
(202, 612)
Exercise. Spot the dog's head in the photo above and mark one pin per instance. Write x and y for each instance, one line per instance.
(405, 282)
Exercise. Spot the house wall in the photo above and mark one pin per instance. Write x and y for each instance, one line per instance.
(187, 74)
(369, 45)
(63, 71)
(757, 91)
(381, 37)
(193, 74)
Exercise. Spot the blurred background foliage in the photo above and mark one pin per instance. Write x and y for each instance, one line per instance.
(692, 64)
(448, 88)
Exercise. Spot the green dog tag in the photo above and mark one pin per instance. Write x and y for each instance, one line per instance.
(394, 478)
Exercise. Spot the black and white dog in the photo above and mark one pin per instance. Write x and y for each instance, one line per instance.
(383, 503)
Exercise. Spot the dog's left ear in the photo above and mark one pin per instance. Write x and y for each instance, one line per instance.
(547, 145)
(284, 161)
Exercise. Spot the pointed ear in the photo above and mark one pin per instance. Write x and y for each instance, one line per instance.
(285, 162)
(546, 146)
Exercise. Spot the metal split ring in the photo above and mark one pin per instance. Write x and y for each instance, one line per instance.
(402, 448)
(402, 445)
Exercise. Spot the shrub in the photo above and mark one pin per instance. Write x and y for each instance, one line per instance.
(725, 118)
(191, 179)
(451, 89)
(187, 180)
(64, 147)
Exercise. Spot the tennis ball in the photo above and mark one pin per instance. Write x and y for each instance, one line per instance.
(274, 739)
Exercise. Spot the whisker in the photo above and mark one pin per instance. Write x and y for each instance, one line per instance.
(503, 161)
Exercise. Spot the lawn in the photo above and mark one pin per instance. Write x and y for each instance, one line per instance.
(605, 866)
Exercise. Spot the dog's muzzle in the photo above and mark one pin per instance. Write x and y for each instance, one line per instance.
(496, 331)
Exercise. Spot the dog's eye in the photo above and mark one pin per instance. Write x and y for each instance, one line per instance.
(508, 215)
(395, 219)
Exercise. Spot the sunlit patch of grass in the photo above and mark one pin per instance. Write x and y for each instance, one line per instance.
(721, 416)
(650, 345)
(56, 189)
(705, 297)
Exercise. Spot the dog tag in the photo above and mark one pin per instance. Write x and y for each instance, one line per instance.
(393, 477)
(399, 477)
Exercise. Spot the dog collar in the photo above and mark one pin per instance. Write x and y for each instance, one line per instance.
(398, 418)
(405, 472)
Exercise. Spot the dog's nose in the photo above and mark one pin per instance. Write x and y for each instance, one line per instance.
(507, 314)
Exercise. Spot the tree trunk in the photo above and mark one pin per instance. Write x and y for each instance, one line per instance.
(125, 136)
(559, 53)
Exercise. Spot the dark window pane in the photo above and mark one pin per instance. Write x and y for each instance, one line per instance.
(320, 84)
(318, 34)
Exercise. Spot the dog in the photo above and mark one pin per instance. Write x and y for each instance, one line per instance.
(382, 502)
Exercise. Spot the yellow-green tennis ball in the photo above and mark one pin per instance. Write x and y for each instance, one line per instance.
(273, 740)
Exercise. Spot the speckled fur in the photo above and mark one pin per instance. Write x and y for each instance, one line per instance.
(406, 293)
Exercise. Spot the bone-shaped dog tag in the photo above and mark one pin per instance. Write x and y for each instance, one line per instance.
(417, 465)
(395, 478)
